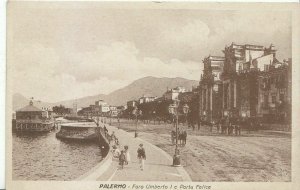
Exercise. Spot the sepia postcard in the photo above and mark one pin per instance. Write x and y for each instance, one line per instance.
(152, 95)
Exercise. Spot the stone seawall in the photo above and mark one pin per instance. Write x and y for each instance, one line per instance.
(106, 162)
(103, 141)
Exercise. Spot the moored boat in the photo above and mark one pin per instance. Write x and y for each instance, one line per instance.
(86, 131)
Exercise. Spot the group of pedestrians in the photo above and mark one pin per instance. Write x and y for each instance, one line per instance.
(182, 136)
(112, 138)
(123, 156)
(229, 126)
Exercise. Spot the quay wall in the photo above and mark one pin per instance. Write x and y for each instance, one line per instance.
(94, 173)
(103, 141)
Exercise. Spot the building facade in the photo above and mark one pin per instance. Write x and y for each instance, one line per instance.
(172, 94)
(33, 119)
(131, 104)
(274, 93)
(101, 107)
(146, 99)
(248, 81)
(210, 88)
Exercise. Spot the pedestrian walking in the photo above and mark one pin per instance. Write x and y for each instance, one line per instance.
(173, 136)
(230, 129)
(199, 124)
(237, 128)
(122, 159)
(117, 141)
(180, 137)
(226, 129)
(219, 125)
(222, 123)
(127, 154)
(105, 131)
(249, 125)
(193, 125)
(211, 124)
(113, 136)
(184, 136)
(141, 154)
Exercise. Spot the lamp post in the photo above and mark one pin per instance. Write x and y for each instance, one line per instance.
(185, 111)
(136, 112)
(98, 121)
(173, 109)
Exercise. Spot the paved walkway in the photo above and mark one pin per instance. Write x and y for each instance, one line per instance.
(157, 166)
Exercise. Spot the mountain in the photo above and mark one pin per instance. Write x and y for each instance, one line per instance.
(149, 86)
(82, 102)
(20, 101)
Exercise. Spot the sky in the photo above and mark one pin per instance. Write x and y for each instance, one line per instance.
(63, 52)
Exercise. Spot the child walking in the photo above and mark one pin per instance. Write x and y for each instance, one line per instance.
(141, 156)
(122, 159)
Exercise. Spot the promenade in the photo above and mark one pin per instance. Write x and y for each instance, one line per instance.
(158, 166)
(210, 156)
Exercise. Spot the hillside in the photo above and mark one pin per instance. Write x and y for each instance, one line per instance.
(20, 101)
(150, 86)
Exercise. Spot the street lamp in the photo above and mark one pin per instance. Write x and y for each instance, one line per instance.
(173, 109)
(136, 112)
(154, 116)
(98, 121)
(185, 111)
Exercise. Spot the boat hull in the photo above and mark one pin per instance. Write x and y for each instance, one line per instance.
(85, 131)
(61, 136)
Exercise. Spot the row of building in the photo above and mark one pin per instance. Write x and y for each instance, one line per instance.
(177, 93)
(142, 100)
(248, 81)
(101, 108)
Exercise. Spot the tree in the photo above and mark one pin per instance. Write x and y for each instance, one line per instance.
(61, 110)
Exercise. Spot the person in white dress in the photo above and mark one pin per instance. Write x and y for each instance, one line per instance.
(127, 155)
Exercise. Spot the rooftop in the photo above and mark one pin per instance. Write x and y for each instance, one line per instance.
(30, 108)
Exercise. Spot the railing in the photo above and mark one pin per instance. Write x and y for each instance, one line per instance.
(34, 121)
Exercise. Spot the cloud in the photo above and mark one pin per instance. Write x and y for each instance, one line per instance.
(39, 71)
(72, 54)
(194, 33)
(122, 61)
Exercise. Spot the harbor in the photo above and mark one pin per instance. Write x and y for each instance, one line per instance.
(49, 148)
(44, 157)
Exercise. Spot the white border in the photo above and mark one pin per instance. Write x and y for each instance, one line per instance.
(2, 91)
(3, 70)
